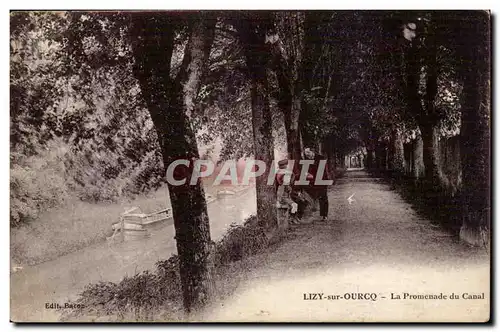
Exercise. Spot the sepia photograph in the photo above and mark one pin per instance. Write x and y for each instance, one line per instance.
(285, 166)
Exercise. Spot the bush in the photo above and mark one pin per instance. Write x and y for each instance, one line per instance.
(57, 172)
(37, 183)
(240, 242)
(138, 296)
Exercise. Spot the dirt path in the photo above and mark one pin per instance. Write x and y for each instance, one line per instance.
(377, 244)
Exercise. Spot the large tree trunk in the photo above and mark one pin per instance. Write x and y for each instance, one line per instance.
(370, 158)
(397, 161)
(380, 155)
(288, 60)
(252, 34)
(426, 114)
(263, 148)
(428, 119)
(430, 140)
(418, 169)
(170, 103)
(329, 145)
(285, 102)
(475, 131)
(292, 130)
(290, 106)
(370, 150)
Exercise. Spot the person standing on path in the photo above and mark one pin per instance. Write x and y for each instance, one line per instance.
(318, 191)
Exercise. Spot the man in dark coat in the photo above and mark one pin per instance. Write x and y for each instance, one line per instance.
(318, 191)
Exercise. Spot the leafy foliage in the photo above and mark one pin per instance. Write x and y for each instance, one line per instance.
(72, 89)
(37, 182)
(224, 112)
(72, 86)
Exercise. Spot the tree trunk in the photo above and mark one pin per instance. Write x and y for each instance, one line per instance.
(380, 155)
(252, 34)
(418, 169)
(426, 114)
(170, 103)
(263, 148)
(475, 132)
(369, 159)
(292, 130)
(308, 138)
(290, 106)
(289, 71)
(430, 149)
(428, 119)
(370, 151)
(330, 156)
(397, 161)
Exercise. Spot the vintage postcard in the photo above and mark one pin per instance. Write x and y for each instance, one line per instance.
(250, 166)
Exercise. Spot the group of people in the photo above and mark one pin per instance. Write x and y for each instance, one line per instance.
(295, 196)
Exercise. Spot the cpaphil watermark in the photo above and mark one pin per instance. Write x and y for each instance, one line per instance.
(229, 172)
